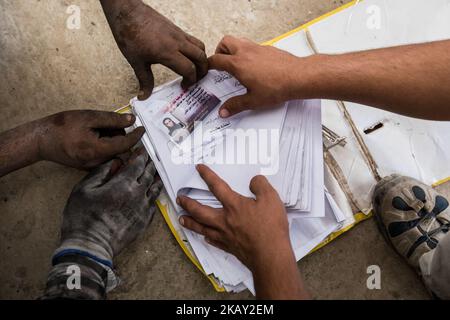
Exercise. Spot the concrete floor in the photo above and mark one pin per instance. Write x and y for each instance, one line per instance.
(46, 68)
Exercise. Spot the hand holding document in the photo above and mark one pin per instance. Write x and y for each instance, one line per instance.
(283, 143)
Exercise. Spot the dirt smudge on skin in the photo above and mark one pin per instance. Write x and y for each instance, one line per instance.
(59, 120)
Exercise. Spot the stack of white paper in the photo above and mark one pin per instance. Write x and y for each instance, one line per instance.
(284, 144)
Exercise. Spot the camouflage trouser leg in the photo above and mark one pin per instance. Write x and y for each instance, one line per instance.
(435, 267)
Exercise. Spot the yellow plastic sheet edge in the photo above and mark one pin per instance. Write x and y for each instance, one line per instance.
(310, 23)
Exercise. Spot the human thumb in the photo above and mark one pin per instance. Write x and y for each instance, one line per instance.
(234, 106)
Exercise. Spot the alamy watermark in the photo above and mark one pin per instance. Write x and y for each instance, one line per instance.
(73, 281)
(73, 22)
(374, 280)
(374, 20)
(259, 147)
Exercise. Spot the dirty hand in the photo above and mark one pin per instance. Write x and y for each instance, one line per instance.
(145, 37)
(111, 207)
(251, 229)
(85, 139)
(266, 72)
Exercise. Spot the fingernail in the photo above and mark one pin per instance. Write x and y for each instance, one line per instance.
(224, 113)
(130, 118)
(182, 221)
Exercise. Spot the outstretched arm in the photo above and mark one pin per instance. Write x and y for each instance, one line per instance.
(19, 147)
(80, 139)
(412, 80)
(145, 38)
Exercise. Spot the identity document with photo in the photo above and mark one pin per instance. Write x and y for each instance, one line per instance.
(178, 117)
(176, 112)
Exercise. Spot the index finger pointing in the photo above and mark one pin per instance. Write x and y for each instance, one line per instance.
(217, 186)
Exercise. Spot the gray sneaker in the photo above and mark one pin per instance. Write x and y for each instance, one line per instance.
(412, 216)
